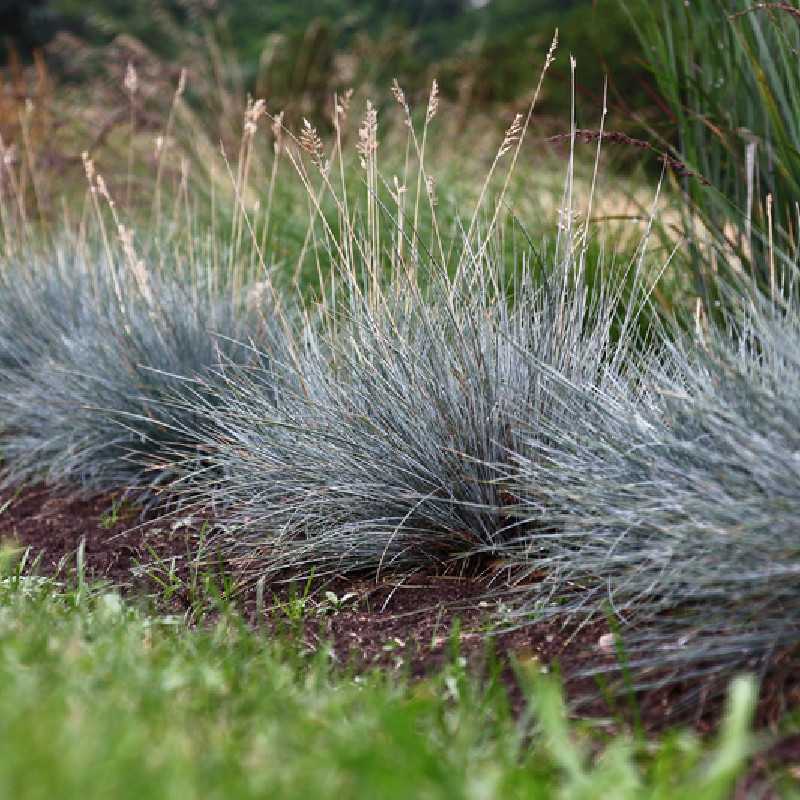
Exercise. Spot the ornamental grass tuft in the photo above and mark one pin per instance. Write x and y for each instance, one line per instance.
(674, 510)
(94, 366)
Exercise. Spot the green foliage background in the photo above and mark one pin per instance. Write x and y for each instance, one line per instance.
(481, 54)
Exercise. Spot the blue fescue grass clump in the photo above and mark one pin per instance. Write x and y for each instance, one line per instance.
(675, 510)
(94, 365)
(392, 435)
(39, 308)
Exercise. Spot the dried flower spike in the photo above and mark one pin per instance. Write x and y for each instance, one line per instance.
(368, 135)
(342, 104)
(512, 135)
(131, 80)
(551, 53)
(277, 132)
(103, 189)
(311, 142)
(252, 114)
(433, 101)
(88, 166)
(399, 95)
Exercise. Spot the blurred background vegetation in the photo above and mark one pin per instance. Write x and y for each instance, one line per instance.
(65, 89)
(296, 52)
(722, 117)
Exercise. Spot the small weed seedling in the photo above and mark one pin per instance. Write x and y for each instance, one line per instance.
(333, 603)
(118, 511)
(18, 570)
(295, 607)
(164, 573)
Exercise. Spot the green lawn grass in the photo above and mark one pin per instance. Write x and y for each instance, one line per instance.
(99, 699)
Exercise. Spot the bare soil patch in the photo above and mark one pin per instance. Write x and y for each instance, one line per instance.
(116, 540)
(400, 622)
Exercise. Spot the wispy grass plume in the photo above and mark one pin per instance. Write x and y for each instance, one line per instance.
(392, 437)
(389, 440)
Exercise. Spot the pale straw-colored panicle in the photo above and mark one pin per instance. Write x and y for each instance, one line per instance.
(135, 264)
(88, 167)
(102, 188)
(311, 142)
(512, 135)
(277, 133)
(131, 79)
(181, 84)
(400, 96)
(254, 112)
(368, 135)
(433, 102)
(341, 106)
(551, 53)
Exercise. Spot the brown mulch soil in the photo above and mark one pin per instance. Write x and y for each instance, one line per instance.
(117, 543)
(400, 622)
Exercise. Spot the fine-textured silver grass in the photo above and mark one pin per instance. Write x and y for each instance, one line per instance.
(93, 370)
(38, 308)
(391, 435)
(675, 508)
